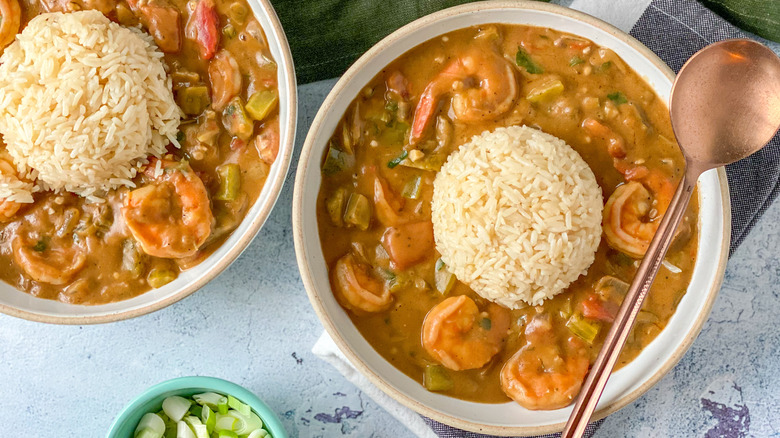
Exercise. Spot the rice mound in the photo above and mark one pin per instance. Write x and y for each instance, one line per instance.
(516, 215)
(83, 102)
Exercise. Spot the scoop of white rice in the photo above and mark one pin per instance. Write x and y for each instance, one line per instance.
(83, 102)
(516, 215)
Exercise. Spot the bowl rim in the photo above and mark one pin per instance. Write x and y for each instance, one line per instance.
(274, 187)
(308, 278)
(270, 420)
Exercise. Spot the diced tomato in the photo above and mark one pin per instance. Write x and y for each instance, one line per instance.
(202, 28)
(595, 308)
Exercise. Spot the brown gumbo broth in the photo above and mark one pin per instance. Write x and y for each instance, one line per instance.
(219, 61)
(375, 169)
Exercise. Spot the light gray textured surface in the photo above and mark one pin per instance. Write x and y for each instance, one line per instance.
(253, 325)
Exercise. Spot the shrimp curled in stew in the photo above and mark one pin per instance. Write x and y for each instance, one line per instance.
(48, 260)
(461, 337)
(170, 217)
(540, 376)
(357, 289)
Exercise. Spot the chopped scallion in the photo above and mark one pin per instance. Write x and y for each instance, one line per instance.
(413, 188)
(523, 59)
(617, 97)
(237, 405)
(176, 407)
(397, 160)
(151, 422)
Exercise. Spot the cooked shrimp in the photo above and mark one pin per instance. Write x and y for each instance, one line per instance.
(634, 211)
(461, 337)
(482, 84)
(357, 289)
(616, 146)
(8, 208)
(541, 375)
(48, 260)
(171, 216)
(225, 79)
(10, 20)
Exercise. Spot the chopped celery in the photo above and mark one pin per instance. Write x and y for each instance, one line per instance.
(523, 59)
(431, 162)
(584, 329)
(229, 31)
(193, 99)
(261, 103)
(436, 378)
(647, 317)
(335, 160)
(397, 160)
(617, 97)
(412, 188)
(398, 282)
(237, 12)
(159, 277)
(610, 288)
(229, 182)
(444, 280)
(566, 310)
(346, 138)
(335, 205)
(545, 91)
(236, 121)
(358, 211)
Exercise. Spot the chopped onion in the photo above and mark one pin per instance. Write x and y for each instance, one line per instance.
(151, 422)
(672, 268)
(176, 407)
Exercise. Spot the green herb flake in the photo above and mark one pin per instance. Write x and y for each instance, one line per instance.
(180, 136)
(391, 106)
(485, 323)
(576, 61)
(41, 245)
(397, 160)
(604, 67)
(523, 59)
(617, 97)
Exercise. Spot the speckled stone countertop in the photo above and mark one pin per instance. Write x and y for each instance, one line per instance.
(253, 325)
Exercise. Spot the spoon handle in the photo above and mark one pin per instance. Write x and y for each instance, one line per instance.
(616, 338)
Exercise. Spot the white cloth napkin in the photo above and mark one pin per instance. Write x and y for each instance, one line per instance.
(327, 350)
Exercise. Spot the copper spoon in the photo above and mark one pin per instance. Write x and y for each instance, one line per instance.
(725, 105)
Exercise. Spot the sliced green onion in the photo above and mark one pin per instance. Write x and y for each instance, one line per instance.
(183, 430)
(259, 433)
(617, 97)
(176, 407)
(226, 422)
(397, 160)
(147, 433)
(210, 399)
(201, 431)
(196, 410)
(237, 405)
(151, 422)
(227, 434)
(523, 59)
(246, 423)
(576, 61)
(222, 407)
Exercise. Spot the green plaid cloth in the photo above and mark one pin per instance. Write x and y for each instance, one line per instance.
(327, 36)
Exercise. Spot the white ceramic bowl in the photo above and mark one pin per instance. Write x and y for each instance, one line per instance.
(18, 303)
(509, 418)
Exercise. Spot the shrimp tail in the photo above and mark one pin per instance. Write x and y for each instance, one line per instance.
(424, 113)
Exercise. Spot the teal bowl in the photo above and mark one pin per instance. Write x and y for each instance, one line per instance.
(151, 401)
